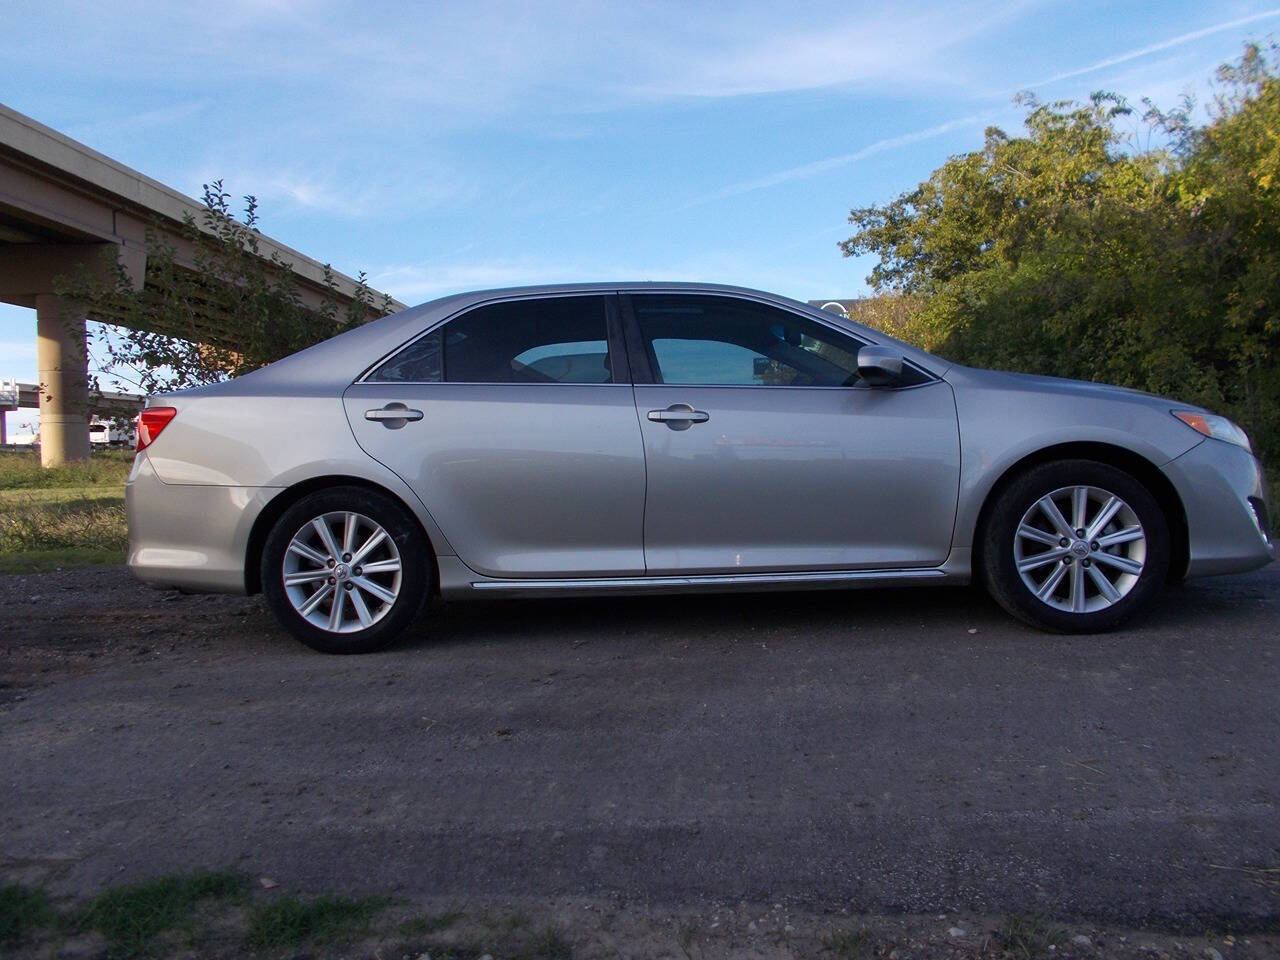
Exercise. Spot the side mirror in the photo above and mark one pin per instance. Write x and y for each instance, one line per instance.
(879, 366)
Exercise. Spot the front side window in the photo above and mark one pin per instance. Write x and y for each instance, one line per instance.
(723, 341)
(550, 340)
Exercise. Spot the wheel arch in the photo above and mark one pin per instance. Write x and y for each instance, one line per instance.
(279, 504)
(1138, 466)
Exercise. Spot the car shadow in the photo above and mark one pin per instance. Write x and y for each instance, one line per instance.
(689, 616)
(900, 613)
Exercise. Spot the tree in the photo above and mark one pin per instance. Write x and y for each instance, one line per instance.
(1071, 251)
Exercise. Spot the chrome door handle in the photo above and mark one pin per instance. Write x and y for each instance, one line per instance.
(679, 416)
(393, 416)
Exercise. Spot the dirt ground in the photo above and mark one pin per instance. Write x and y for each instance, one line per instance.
(716, 776)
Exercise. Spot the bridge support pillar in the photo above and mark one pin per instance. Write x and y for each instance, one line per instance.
(62, 359)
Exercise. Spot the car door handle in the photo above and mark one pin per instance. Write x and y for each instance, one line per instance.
(679, 416)
(393, 416)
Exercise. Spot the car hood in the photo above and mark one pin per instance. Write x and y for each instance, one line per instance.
(1058, 386)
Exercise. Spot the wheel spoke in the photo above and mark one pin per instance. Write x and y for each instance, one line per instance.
(1051, 582)
(376, 538)
(387, 566)
(302, 550)
(1034, 563)
(315, 599)
(1127, 535)
(1105, 586)
(1028, 532)
(321, 527)
(335, 612)
(1079, 507)
(361, 608)
(305, 576)
(1120, 563)
(1105, 515)
(1055, 517)
(376, 589)
(349, 525)
(1077, 588)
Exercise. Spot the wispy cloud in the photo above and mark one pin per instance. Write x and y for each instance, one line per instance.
(173, 115)
(1169, 44)
(842, 160)
(898, 44)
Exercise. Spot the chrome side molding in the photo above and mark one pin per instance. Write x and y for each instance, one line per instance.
(805, 578)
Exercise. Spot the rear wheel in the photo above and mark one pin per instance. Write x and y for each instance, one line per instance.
(1075, 546)
(345, 570)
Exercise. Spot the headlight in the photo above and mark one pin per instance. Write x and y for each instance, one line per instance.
(1211, 425)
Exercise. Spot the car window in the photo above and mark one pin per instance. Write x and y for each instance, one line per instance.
(549, 340)
(729, 342)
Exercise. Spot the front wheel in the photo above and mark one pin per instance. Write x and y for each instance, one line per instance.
(1075, 546)
(345, 570)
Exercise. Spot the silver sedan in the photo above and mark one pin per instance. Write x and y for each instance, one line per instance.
(654, 438)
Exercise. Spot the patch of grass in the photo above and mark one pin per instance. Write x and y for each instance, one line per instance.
(42, 561)
(23, 911)
(63, 517)
(1029, 937)
(74, 523)
(132, 916)
(428, 923)
(850, 945)
(290, 922)
(22, 471)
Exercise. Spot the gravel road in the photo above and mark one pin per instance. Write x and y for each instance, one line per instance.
(874, 751)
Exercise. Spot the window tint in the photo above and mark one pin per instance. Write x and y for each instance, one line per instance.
(730, 342)
(551, 340)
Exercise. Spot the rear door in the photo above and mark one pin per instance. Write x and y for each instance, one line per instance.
(765, 453)
(515, 424)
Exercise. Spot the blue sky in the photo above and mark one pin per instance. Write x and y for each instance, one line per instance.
(450, 146)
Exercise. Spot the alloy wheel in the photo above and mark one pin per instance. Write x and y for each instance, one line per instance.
(1080, 549)
(342, 572)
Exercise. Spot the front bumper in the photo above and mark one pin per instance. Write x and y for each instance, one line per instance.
(188, 535)
(1216, 481)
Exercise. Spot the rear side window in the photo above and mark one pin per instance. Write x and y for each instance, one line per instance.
(550, 340)
(417, 363)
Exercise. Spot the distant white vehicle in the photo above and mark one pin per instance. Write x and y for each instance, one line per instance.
(105, 433)
(31, 438)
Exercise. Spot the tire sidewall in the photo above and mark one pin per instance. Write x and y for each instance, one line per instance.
(999, 566)
(414, 559)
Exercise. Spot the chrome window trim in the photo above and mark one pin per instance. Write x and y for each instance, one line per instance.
(808, 313)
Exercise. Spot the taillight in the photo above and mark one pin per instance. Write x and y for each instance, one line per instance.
(151, 421)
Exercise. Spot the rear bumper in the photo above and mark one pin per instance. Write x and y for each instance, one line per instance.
(187, 535)
(1216, 481)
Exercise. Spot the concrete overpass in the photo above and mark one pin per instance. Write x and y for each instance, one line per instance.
(62, 205)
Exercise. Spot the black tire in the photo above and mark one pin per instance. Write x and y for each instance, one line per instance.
(392, 617)
(998, 564)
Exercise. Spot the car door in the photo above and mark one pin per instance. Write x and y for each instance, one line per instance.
(765, 452)
(515, 424)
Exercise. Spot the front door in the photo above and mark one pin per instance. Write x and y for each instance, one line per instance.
(519, 434)
(765, 454)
